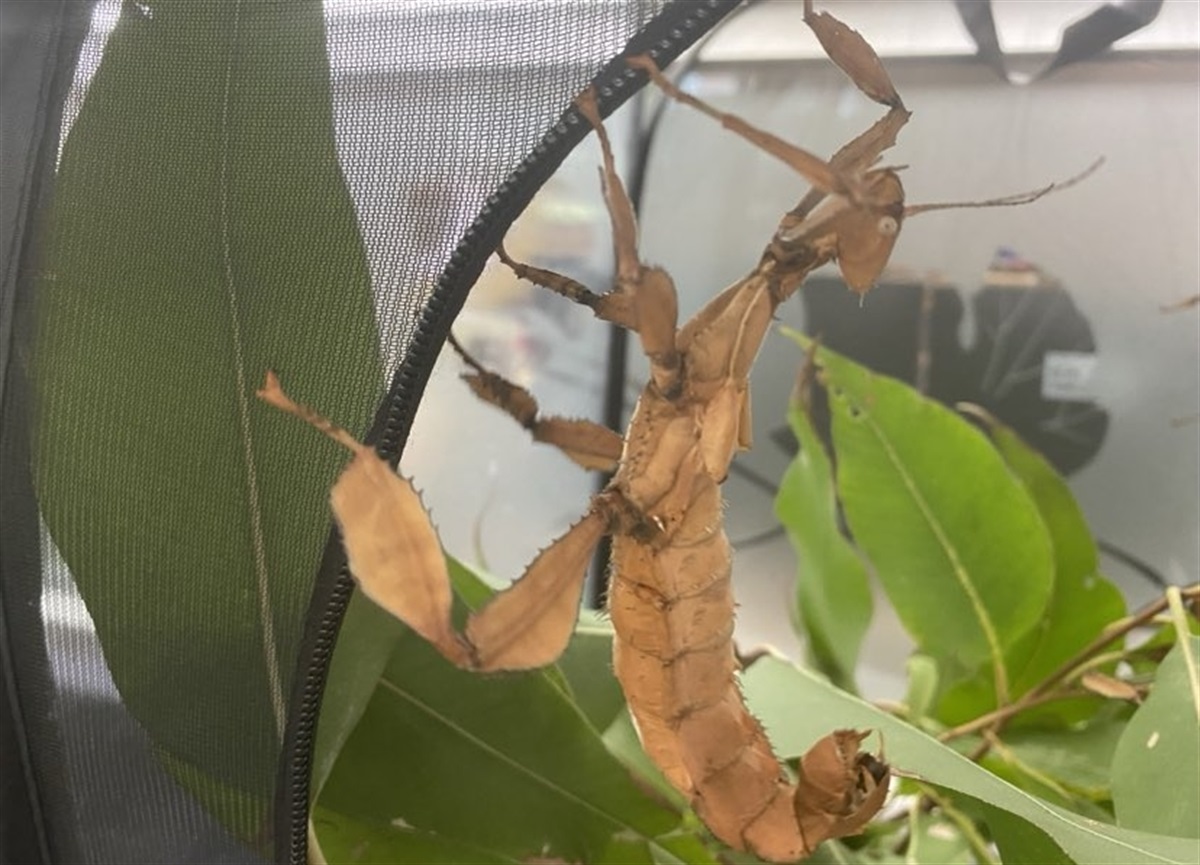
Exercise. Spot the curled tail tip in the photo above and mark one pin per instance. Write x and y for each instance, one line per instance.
(840, 787)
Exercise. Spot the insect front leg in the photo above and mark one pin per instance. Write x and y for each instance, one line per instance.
(853, 212)
(643, 298)
(648, 291)
(610, 307)
(397, 561)
(811, 167)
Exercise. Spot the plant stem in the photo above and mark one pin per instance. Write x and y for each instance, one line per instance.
(1116, 629)
(1008, 756)
(999, 716)
(980, 847)
(1184, 636)
(1048, 689)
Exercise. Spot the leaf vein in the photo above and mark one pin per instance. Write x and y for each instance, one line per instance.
(497, 754)
(956, 565)
(262, 577)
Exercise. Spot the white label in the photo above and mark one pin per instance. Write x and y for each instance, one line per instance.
(1069, 375)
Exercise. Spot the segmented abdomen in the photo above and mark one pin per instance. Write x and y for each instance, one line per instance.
(673, 611)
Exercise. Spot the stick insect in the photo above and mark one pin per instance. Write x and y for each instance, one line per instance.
(670, 594)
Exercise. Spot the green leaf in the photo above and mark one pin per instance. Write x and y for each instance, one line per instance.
(469, 587)
(799, 707)
(504, 763)
(201, 233)
(1083, 601)
(956, 540)
(1019, 841)
(675, 849)
(622, 741)
(583, 675)
(587, 667)
(1004, 763)
(346, 840)
(366, 641)
(922, 686)
(934, 839)
(833, 594)
(368, 637)
(1079, 759)
(1156, 768)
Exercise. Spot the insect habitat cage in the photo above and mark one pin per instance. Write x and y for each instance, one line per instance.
(192, 193)
(212, 189)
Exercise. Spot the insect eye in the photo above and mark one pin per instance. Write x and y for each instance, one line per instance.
(887, 226)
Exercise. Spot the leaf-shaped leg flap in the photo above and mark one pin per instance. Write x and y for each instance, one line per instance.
(529, 624)
(394, 552)
(397, 560)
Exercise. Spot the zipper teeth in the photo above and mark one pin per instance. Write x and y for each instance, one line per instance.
(615, 83)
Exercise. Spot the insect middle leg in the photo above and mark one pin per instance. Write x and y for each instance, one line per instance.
(588, 444)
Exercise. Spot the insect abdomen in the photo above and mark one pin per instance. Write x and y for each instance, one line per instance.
(672, 610)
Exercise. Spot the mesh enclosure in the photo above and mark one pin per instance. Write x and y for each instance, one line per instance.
(239, 186)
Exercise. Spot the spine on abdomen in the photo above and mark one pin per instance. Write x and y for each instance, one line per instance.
(672, 611)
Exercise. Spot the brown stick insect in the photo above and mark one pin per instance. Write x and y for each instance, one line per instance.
(670, 595)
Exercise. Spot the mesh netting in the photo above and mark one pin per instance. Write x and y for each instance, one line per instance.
(244, 186)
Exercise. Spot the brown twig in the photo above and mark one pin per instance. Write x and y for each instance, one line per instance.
(1116, 629)
(1047, 690)
(999, 716)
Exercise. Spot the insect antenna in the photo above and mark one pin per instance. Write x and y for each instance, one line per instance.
(1008, 200)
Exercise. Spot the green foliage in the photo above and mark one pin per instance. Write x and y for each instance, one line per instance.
(510, 764)
(1156, 768)
(798, 707)
(364, 842)
(201, 232)
(955, 523)
(1030, 775)
(1082, 601)
(833, 595)
(963, 555)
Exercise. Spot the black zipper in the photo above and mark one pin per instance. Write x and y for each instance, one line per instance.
(665, 37)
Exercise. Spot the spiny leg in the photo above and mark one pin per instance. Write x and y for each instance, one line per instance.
(607, 307)
(588, 444)
(617, 306)
(397, 560)
(854, 55)
(854, 203)
(649, 291)
(529, 624)
(644, 298)
(620, 208)
(813, 168)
